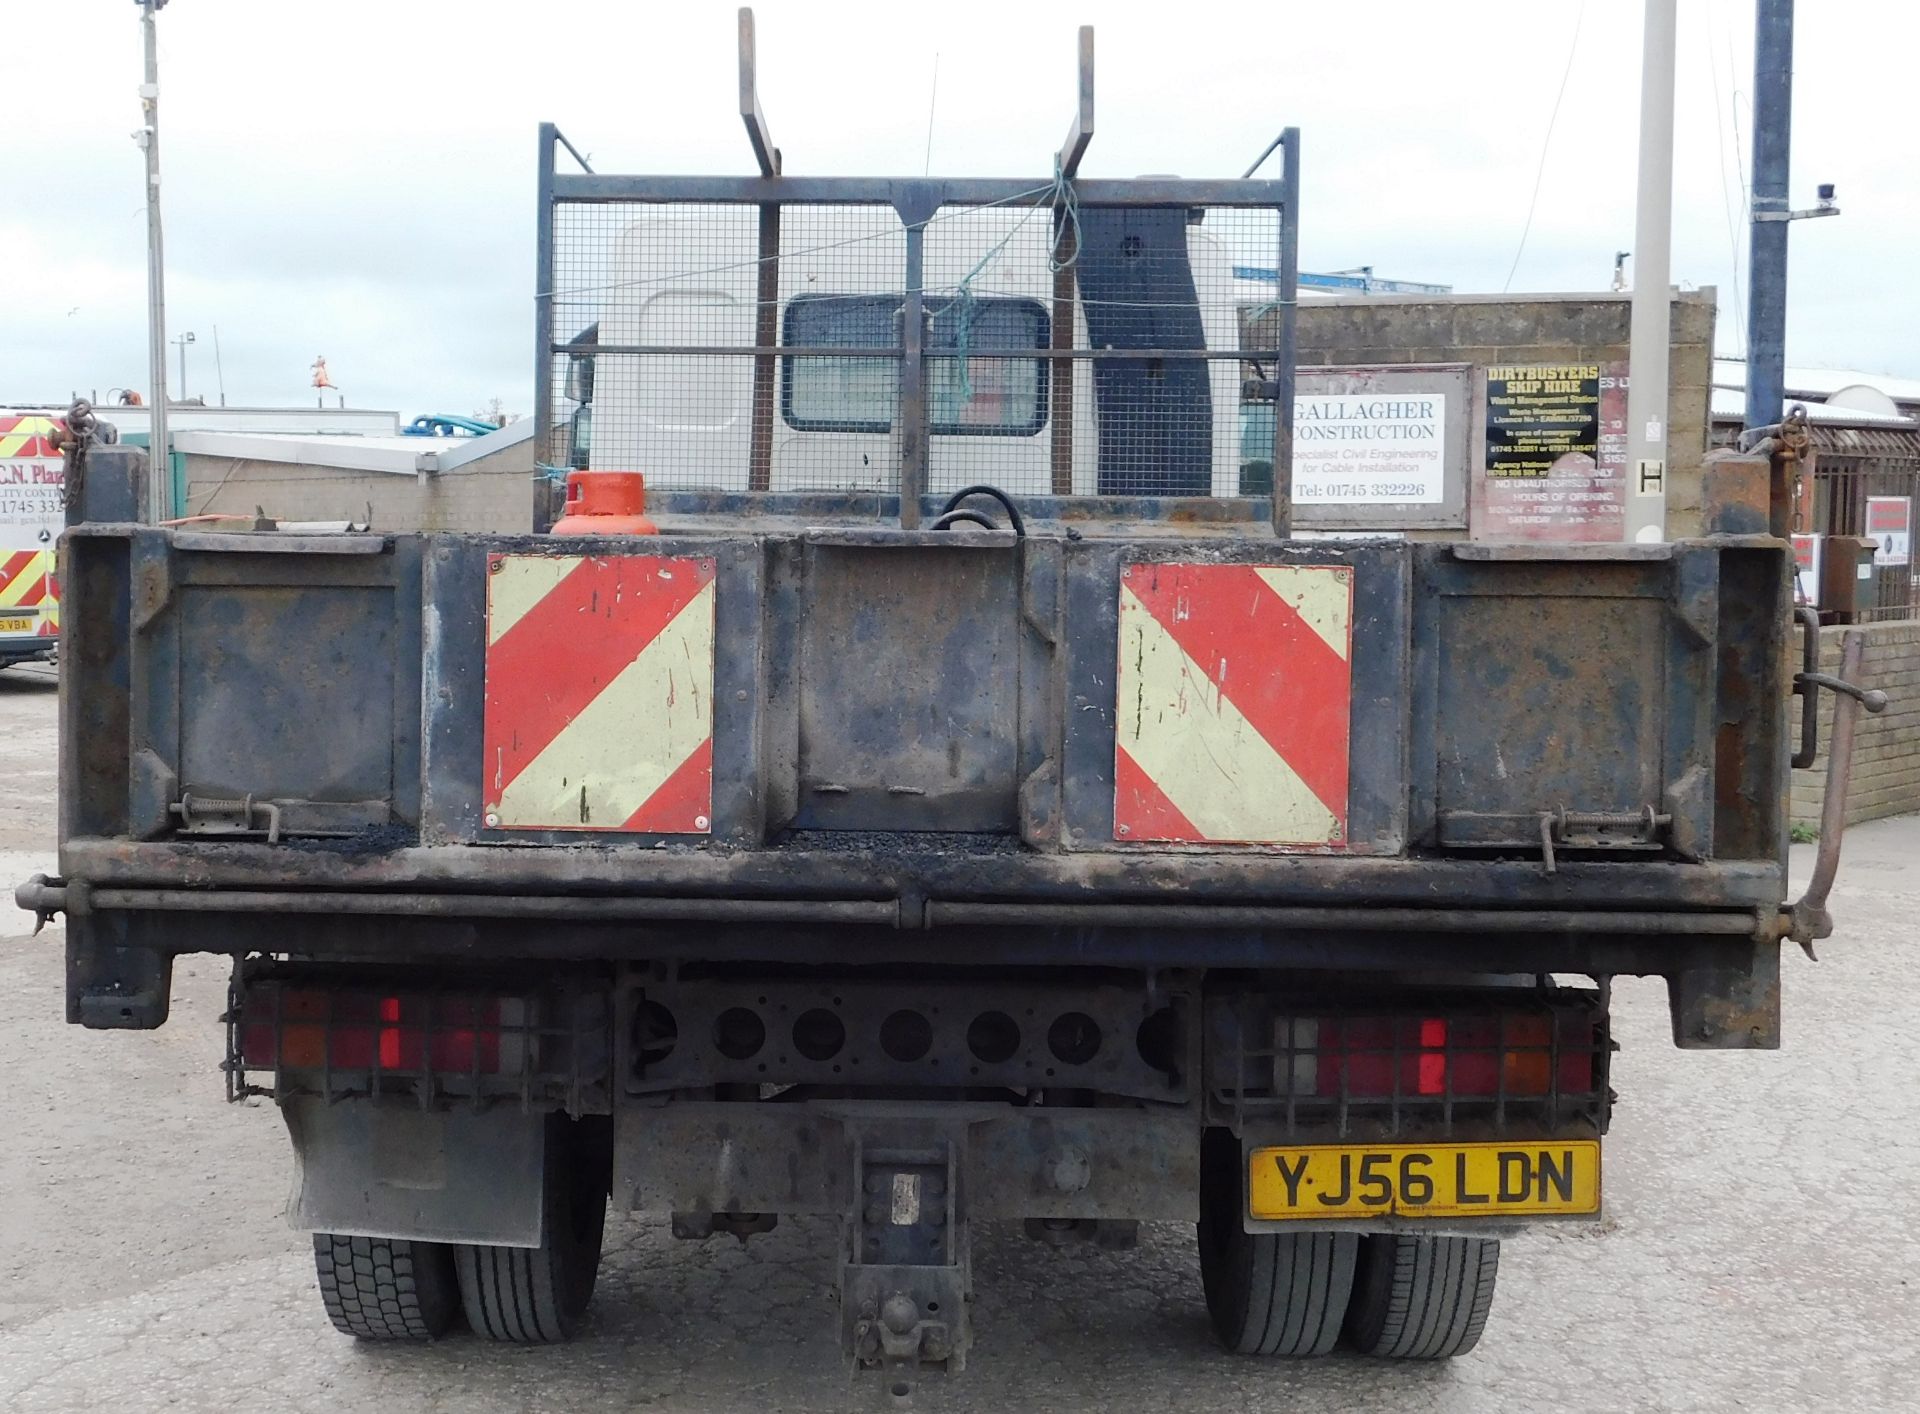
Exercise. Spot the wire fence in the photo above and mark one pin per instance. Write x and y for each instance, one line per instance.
(1060, 348)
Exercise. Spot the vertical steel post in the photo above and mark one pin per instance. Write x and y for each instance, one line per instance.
(1651, 330)
(1066, 251)
(1288, 295)
(1767, 250)
(766, 334)
(766, 317)
(913, 378)
(159, 448)
(543, 429)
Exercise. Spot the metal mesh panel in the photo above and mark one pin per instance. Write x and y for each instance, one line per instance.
(1067, 349)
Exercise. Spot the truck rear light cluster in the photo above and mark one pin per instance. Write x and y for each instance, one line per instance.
(316, 1029)
(1468, 1058)
(1369, 1057)
(300, 1035)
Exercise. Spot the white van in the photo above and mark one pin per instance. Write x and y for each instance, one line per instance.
(686, 278)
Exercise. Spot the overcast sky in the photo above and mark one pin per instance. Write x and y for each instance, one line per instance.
(356, 179)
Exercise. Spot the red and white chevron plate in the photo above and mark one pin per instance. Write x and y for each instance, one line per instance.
(599, 693)
(1233, 700)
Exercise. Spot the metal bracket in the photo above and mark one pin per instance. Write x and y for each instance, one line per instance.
(1805, 213)
(1560, 826)
(210, 815)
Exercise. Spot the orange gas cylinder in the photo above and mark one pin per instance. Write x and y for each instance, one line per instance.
(606, 503)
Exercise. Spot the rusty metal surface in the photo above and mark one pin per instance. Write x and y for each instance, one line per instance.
(1735, 493)
(1580, 685)
(961, 695)
(966, 872)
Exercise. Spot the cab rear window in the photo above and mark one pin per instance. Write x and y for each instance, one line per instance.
(966, 396)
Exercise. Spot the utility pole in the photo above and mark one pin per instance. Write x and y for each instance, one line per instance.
(1767, 248)
(181, 344)
(159, 462)
(1651, 327)
(1767, 241)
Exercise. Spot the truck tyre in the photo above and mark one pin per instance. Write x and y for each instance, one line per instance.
(1422, 1298)
(1267, 1293)
(537, 1295)
(378, 1288)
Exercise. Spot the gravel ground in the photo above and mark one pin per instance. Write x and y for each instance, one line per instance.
(1760, 1251)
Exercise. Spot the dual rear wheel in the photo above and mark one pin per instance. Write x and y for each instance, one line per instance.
(379, 1288)
(1281, 1294)
(1296, 1294)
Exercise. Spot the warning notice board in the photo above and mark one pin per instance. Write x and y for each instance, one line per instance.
(1890, 527)
(1556, 451)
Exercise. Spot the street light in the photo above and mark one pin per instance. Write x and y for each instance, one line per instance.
(181, 344)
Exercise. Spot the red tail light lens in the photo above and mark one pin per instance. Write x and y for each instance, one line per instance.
(321, 1029)
(1467, 1057)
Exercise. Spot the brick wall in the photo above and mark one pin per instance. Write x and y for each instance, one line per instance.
(494, 493)
(1886, 748)
(1490, 329)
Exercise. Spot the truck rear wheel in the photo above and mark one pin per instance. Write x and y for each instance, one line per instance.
(1267, 1293)
(378, 1288)
(538, 1295)
(1422, 1298)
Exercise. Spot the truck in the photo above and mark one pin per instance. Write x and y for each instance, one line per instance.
(916, 783)
(32, 515)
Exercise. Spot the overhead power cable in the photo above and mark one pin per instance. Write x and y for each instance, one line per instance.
(1546, 144)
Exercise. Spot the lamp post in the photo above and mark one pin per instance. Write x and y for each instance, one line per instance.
(147, 136)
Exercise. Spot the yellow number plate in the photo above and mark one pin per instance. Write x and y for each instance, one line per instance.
(16, 625)
(1424, 1180)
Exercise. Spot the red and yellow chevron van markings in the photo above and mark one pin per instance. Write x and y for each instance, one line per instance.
(599, 693)
(26, 582)
(27, 437)
(1234, 697)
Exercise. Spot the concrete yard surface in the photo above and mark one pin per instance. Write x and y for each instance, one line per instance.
(1761, 1249)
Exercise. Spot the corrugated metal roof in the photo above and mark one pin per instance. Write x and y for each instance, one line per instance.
(1730, 405)
(1821, 382)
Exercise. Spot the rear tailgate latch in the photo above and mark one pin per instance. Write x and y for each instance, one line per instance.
(214, 815)
(1597, 829)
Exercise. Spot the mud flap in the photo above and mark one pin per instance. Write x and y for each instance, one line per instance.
(367, 1170)
(1733, 1006)
(114, 981)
